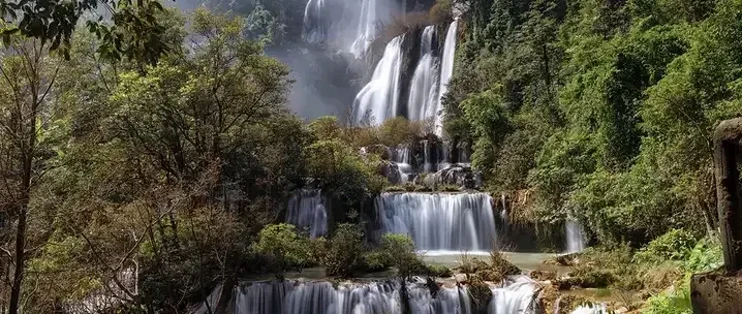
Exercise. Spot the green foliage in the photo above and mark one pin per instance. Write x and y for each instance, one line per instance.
(706, 255)
(136, 30)
(399, 250)
(673, 245)
(603, 112)
(345, 251)
(376, 260)
(284, 245)
(676, 302)
(440, 271)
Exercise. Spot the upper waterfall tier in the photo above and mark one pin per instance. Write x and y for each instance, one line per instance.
(347, 25)
(380, 96)
(292, 297)
(439, 222)
(449, 52)
(423, 98)
(413, 85)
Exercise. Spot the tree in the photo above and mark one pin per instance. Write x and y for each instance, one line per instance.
(28, 77)
(136, 30)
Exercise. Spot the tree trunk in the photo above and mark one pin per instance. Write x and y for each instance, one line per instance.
(20, 238)
(726, 145)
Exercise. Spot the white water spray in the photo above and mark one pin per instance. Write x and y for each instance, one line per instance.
(381, 95)
(307, 211)
(449, 51)
(439, 222)
(293, 297)
(575, 236)
(423, 86)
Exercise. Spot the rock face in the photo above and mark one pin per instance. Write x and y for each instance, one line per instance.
(715, 293)
(460, 174)
(391, 171)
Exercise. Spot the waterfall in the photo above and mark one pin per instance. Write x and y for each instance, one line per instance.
(315, 23)
(517, 297)
(590, 309)
(307, 211)
(575, 236)
(295, 297)
(380, 95)
(449, 51)
(439, 222)
(366, 30)
(401, 156)
(346, 24)
(423, 86)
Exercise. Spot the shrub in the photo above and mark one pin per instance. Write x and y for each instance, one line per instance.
(502, 265)
(705, 256)
(325, 128)
(283, 246)
(670, 302)
(318, 248)
(400, 251)
(422, 188)
(398, 131)
(376, 261)
(435, 270)
(479, 291)
(395, 188)
(489, 274)
(449, 188)
(409, 187)
(675, 245)
(344, 251)
(441, 12)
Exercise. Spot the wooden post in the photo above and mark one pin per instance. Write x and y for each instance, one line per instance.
(727, 138)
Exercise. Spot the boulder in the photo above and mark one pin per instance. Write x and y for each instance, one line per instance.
(391, 171)
(716, 293)
(460, 174)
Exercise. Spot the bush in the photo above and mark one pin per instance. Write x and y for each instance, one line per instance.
(344, 252)
(283, 246)
(441, 13)
(400, 251)
(502, 265)
(479, 291)
(398, 131)
(376, 261)
(449, 188)
(318, 248)
(705, 256)
(674, 245)
(395, 188)
(671, 302)
(435, 270)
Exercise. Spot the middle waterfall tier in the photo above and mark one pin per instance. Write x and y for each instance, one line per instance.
(439, 222)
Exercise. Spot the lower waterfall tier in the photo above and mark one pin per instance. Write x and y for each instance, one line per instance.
(439, 222)
(295, 297)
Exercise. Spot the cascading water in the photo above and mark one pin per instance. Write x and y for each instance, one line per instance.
(381, 95)
(307, 211)
(316, 25)
(575, 236)
(517, 297)
(423, 86)
(346, 25)
(294, 297)
(366, 27)
(449, 51)
(590, 309)
(439, 222)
